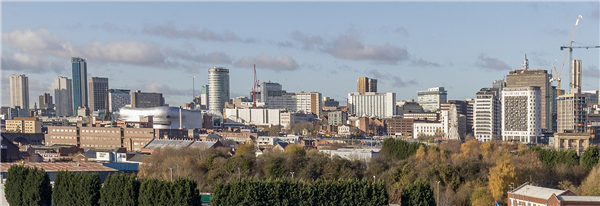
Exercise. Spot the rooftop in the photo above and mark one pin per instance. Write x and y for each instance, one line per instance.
(58, 166)
(537, 192)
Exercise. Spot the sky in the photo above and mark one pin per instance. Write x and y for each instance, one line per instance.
(168, 47)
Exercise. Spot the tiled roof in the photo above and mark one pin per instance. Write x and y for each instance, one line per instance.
(57, 166)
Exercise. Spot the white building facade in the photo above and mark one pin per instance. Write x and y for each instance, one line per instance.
(521, 114)
(431, 99)
(218, 88)
(371, 104)
(63, 96)
(487, 116)
(19, 91)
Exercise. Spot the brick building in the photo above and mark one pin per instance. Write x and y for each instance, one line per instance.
(528, 194)
(400, 127)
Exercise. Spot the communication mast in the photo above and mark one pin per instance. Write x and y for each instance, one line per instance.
(255, 89)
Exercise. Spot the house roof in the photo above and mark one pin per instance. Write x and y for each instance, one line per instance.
(579, 198)
(537, 192)
(138, 157)
(57, 166)
(161, 144)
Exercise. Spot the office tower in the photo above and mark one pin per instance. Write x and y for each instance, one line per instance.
(380, 105)
(19, 91)
(218, 93)
(575, 84)
(80, 85)
(204, 97)
(63, 92)
(521, 114)
(499, 84)
(572, 115)
(98, 93)
(365, 84)
(46, 101)
(307, 102)
(431, 99)
(269, 89)
(146, 99)
(487, 115)
(118, 98)
(534, 78)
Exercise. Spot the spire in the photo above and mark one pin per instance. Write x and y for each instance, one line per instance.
(525, 63)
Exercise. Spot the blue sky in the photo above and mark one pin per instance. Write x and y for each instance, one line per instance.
(305, 46)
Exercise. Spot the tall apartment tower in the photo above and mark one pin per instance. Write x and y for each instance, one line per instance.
(204, 97)
(63, 94)
(521, 114)
(141, 99)
(98, 92)
(218, 84)
(269, 89)
(534, 78)
(80, 85)
(572, 115)
(365, 84)
(46, 101)
(19, 91)
(487, 115)
(371, 104)
(431, 99)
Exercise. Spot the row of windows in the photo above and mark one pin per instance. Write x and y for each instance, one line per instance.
(96, 146)
(100, 131)
(63, 130)
(60, 137)
(100, 138)
(140, 132)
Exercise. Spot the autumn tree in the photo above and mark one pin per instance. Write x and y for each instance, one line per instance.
(482, 197)
(500, 178)
(591, 185)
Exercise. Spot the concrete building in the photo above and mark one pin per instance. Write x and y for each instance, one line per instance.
(425, 116)
(19, 91)
(400, 127)
(534, 78)
(204, 97)
(98, 93)
(371, 104)
(118, 98)
(255, 116)
(80, 84)
(337, 117)
(269, 89)
(141, 99)
(431, 99)
(487, 115)
(134, 139)
(218, 92)
(307, 102)
(29, 125)
(572, 113)
(63, 92)
(365, 84)
(575, 73)
(521, 114)
(353, 153)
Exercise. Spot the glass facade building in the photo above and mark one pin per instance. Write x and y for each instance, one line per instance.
(80, 84)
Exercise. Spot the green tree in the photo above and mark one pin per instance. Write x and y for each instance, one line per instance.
(399, 148)
(274, 130)
(120, 189)
(589, 158)
(15, 184)
(419, 193)
(37, 189)
(87, 187)
(64, 189)
(185, 192)
(295, 149)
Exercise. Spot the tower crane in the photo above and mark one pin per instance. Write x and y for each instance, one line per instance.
(563, 64)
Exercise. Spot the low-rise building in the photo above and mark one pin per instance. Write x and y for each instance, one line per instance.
(27, 125)
(400, 127)
(353, 153)
(528, 194)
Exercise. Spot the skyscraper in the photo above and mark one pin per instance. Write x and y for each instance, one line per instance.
(98, 93)
(63, 94)
(218, 84)
(431, 99)
(537, 78)
(46, 101)
(487, 118)
(365, 84)
(80, 86)
(575, 76)
(19, 91)
(521, 119)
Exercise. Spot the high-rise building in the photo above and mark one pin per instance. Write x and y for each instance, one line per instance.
(487, 115)
(204, 97)
(575, 83)
(371, 104)
(118, 98)
(572, 113)
(19, 91)
(98, 93)
(431, 99)
(63, 92)
(218, 92)
(365, 84)
(46, 101)
(521, 114)
(80, 85)
(307, 102)
(141, 99)
(534, 78)
(269, 89)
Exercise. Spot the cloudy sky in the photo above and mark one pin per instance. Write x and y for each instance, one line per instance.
(305, 46)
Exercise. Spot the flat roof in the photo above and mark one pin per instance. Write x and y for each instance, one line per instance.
(57, 166)
(537, 192)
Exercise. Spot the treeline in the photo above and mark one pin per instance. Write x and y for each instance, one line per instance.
(31, 186)
(286, 192)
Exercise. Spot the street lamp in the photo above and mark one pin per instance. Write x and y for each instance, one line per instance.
(373, 178)
(171, 174)
(292, 175)
(438, 195)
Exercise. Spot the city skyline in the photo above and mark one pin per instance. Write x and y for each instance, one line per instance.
(406, 46)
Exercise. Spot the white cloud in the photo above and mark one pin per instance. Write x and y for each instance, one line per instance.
(30, 64)
(165, 89)
(277, 63)
(39, 41)
(491, 63)
(128, 52)
(170, 30)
